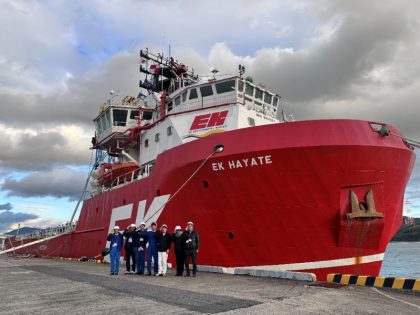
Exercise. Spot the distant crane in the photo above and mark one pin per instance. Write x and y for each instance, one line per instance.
(409, 219)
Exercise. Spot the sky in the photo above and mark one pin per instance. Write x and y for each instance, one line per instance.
(59, 60)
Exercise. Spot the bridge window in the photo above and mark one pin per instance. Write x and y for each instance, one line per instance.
(169, 130)
(120, 117)
(258, 94)
(275, 102)
(98, 126)
(103, 122)
(157, 137)
(193, 94)
(184, 96)
(240, 86)
(267, 98)
(134, 114)
(108, 118)
(178, 101)
(249, 90)
(169, 106)
(146, 143)
(206, 90)
(224, 87)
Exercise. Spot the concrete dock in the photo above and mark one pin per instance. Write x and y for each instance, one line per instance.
(43, 286)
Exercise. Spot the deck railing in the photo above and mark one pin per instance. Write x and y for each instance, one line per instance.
(50, 231)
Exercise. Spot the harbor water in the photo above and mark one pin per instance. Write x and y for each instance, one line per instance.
(402, 259)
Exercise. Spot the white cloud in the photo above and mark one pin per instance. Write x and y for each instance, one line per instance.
(57, 182)
(328, 59)
(32, 149)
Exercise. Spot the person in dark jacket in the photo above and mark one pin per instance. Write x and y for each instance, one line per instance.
(164, 245)
(152, 250)
(192, 245)
(130, 250)
(178, 250)
(115, 246)
(141, 236)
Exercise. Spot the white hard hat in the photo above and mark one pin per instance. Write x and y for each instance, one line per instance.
(116, 227)
(163, 226)
(143, 223)
(178, 228)
(132, 225)
(190, 223)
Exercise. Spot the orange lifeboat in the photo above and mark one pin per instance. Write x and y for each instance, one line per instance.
(110, 174)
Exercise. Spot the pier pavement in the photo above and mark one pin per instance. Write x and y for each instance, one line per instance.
(44, 286)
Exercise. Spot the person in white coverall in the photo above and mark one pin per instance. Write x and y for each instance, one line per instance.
(164, 241)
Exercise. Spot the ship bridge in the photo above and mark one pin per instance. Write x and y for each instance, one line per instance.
(177, 107)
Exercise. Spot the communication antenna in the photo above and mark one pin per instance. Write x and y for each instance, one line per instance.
(241, 70)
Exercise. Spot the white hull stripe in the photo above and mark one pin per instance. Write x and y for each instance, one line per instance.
(321, 264)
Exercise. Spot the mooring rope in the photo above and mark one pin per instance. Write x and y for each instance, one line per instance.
(216, 150)
(411, 142)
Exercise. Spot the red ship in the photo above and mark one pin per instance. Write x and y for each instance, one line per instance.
(321, 196)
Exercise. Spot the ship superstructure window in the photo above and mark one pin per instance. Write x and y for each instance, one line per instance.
(249, 90)
(120, 117)
(184, 96)
(103, 122)
(169, 106)
(157, 137)
(108, 118)
(258, 94)
(251, 121)
(178, 101)
(267, 98)
(98, 125)
(240, 86)
(224, 87)
(146, 143)
(193, 94)
(169, 130)
(275, 102)
(206, 90)
(134, 114)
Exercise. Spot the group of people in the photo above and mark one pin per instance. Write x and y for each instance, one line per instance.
(142, 244)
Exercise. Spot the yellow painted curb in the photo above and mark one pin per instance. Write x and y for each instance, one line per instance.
(380, 282)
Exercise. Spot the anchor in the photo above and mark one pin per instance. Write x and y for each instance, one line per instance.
(358, 210)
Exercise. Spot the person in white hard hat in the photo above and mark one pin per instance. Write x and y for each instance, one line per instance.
(178, 250)
(130, 248)
(141, 236)
(164, 241)
(192, 245)
(116, 245)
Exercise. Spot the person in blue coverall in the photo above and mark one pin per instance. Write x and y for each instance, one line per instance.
(141, 238)
(152, 250)
(117, 240)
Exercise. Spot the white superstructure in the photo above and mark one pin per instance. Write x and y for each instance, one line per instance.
(178, 108)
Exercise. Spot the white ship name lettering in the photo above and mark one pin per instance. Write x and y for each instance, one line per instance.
(248, 162)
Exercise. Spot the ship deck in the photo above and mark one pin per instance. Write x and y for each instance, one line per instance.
(47, 286)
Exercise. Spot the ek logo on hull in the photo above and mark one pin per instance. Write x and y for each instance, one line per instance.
(209, 120)
(125, 212)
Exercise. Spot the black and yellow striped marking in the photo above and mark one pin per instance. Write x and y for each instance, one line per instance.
(380, 282)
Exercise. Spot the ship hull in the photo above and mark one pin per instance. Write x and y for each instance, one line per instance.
(277, 197)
